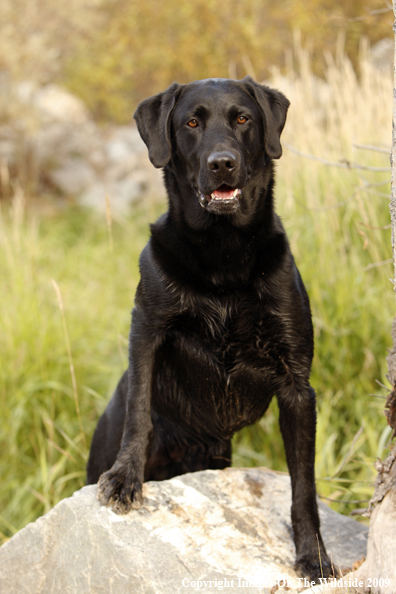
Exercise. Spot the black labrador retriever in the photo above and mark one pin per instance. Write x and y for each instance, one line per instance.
(221, 321)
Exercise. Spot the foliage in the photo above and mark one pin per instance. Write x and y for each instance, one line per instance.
(113, 53)
(44, 450)
(141, 47)
(37, 36)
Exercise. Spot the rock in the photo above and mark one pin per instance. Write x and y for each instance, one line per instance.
(382, 54)
(55, 142)
(213, 526)
(57, 104)
(52, 129)
(123, 141)
(126, 174)
(122, 194)
(73, 176)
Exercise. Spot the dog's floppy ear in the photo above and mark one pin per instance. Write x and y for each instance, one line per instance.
(153, 116)
(273, 106)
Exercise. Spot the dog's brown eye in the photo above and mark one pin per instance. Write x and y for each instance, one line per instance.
(192, 123)
(242, 120)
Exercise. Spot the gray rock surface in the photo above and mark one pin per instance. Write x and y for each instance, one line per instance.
(213, 526)
(51, 142)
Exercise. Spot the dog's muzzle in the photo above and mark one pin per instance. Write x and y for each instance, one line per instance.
(222, 200)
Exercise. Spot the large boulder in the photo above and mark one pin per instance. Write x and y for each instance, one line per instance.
(231, 528)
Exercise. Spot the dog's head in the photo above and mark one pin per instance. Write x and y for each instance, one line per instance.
(219, 132)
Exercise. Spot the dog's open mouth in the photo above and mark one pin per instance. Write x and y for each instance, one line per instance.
(225, 193)
(222, 195)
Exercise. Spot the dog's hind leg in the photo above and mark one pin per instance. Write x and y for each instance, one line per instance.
(168, 458)
(221, 456)
(215, 456)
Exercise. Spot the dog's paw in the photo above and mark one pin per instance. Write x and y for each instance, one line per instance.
(119, 489)
(314, 569)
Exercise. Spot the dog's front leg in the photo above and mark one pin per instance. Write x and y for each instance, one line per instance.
(121, 486)
(297, 419)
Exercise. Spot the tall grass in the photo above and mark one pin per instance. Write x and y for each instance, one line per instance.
(44, 445)
(63, 345)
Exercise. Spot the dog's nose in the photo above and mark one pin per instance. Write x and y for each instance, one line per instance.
(222, 162)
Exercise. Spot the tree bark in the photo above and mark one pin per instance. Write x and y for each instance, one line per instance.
(381, 547)
(392, 205)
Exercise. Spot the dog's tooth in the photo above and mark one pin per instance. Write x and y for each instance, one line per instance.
(202, 200)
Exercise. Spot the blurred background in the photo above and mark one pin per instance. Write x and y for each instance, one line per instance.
(77, 194)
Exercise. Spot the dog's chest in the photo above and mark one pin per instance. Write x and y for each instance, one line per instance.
(234, 336)
(220, 365)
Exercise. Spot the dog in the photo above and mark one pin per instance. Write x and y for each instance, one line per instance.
(222, 320)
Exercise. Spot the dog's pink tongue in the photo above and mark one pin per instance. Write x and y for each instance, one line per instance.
(224, 194)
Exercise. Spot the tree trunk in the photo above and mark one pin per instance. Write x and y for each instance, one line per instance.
(380, 562)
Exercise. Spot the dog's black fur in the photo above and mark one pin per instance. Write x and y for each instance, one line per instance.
(221, 321)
